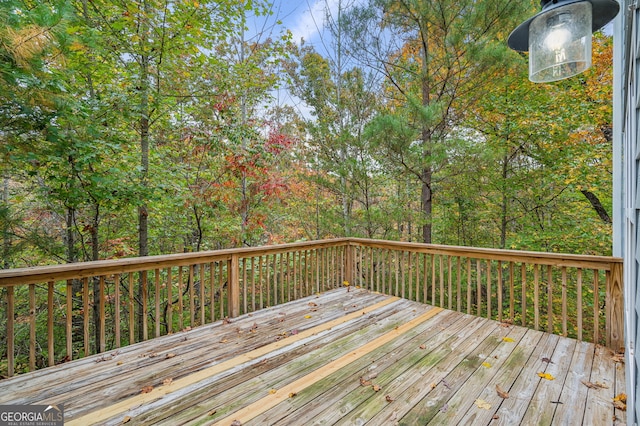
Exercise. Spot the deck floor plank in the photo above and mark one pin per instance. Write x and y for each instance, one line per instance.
(302, 363)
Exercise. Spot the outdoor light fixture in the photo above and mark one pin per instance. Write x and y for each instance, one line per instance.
(558, 38)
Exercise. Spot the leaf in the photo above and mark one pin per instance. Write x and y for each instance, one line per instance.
(388, 398)
(167, 382)
(618, 358)
(486, 364)
(444, 408)
(423, 346)
(364, 382)
(212, 412)
(502, 393)
(292, 394)
(546, 376)
(236, 423)
(481, 403)
(307, 316)
(596, 385)
(169, 355)
(507, 339)
(622, 397)
(272, 391)
(126, 419)
(376, 388)
(547, 360)
(146, 389)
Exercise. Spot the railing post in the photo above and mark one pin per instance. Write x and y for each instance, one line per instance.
(615, 308)
(233, 292)
(348, 276)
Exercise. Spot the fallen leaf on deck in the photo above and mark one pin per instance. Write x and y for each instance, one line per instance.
(170, 355)
(481, 403)
(388, 398)
(345, 283)
(146, 389)
(167, 382)
(120, 363)
(254, 327)
(507, 339)
(433, 385)
(546, 376)
(226, 320)
(486, 364)
(312, 304)
(495, 417)
(622, 397)
(547, 360)
(444, 408)
(618, 358)
(423, 346)
(292, 394)
(596, 385)
(294, 332)
(502, 393)
(127, 419)
(619, 405)
(272, 391)
(186, 329)
(236, 423)
(307, 316)
(223, 341)
(376, 388)
(364, 382)
(212, 412)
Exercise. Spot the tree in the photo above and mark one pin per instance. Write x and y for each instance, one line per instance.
(437, 58)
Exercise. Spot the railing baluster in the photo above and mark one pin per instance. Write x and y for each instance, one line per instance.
(596, 307)
(536, 296)
(564, 301)
(499, 290)
(523, 299)
(579, 303)
(101, 315)
(169, 310)
(489, 290)
(478, 288)
(156, 278)
(468, 285)
(433, 280)
(192, 295)
(50, 342)
(459, 284)
(441, 280)
(180, 301)
(32, 327)
(549, 299)
(449, 283)
(85, 312)
(511, 293)
(11, 349)
(68, 320)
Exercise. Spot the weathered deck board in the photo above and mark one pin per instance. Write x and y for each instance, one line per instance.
(317, 360)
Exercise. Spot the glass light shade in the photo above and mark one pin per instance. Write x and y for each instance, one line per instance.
(560, 43)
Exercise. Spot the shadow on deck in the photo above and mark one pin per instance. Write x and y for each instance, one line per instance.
(342, 357)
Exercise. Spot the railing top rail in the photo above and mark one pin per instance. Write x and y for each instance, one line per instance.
(544, 258)
(40, 274)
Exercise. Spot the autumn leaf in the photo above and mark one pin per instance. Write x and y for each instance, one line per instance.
(622, 397)
(146, 389)
(596, 385)
(480, 403)
(364, 382)
(236, 423)
(618, 358)
(620, 402)
(169, 355)
(546, 376)
(307, 316)
(345, 283)
(433, 385)
(423, 346)
(126, 419)
(167, 382)
(292, 394)
(486, 364)
(388, 398)
(212, 412)
(376, 388)
(547, 360)
(312, 304)
(507, 339)
(272, 391)
(502, 393)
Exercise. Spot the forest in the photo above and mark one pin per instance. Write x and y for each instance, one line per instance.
(133, 128)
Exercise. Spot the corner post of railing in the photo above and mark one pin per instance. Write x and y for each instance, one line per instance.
(233, 292)
(348, 267)
(614, 303)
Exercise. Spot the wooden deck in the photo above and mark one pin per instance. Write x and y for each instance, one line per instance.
(343, 357)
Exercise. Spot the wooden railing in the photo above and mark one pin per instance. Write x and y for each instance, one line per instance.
(58, 313)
